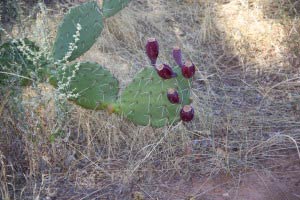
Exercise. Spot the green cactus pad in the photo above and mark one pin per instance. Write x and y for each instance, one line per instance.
(96, 87)
(89, 16)
(145, 101)
(111, 7)
(15, 61)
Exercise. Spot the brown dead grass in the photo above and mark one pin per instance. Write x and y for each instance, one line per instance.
(254, 38)
(245, 95)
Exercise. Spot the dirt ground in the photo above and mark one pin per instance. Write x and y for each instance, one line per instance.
(243, 144)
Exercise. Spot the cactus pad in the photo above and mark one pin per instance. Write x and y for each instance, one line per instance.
(145, 101)
(96, 87)
(111, 7)
(89, 18)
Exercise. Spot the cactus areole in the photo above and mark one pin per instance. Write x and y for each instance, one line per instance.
(152, 50)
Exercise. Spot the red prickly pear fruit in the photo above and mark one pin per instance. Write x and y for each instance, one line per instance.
(187, 113)
(188, 69)
(152, 50)
(173, 96)
(165, 71)
(177, 56)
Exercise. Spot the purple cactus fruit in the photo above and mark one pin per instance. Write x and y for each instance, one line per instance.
(187, 113)
(177, 56)
(165, 71)
(188, 69)
(152, 50)
(173, 96)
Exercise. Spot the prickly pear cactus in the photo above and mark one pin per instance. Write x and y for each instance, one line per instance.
(145, 101)
(157, 96)
(88, 85)
(111, 7)
(78, 31)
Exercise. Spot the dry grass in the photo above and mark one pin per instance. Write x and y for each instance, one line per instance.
(245, 95)
(254, 38)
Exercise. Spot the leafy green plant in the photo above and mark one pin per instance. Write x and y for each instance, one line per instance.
(157, 96)
(19, 57)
